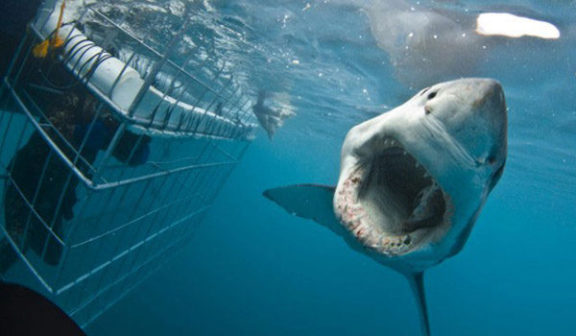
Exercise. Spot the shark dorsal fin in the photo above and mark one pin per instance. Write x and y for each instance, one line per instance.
(416, 281)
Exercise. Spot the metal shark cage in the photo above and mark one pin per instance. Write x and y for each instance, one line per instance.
(108, 162)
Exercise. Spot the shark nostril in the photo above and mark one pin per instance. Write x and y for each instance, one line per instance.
(427, 109)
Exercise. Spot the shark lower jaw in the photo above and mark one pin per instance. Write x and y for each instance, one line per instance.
(391, 203)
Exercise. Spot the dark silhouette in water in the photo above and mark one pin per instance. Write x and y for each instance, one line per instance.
(39, 177)
(25, 312)
(125, 148)
(27, 167)
(41, 189)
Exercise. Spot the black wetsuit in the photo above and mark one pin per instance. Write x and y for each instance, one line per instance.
(52, 204)
(48, 195)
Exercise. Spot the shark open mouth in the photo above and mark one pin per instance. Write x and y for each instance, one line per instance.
(391, 202)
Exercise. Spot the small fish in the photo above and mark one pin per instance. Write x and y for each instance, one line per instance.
(53, 41)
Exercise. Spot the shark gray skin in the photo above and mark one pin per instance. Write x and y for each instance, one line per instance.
(413, 180)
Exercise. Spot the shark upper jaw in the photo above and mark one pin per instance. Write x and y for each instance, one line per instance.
(390, 202)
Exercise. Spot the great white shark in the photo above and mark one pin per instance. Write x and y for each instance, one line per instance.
(413, 180)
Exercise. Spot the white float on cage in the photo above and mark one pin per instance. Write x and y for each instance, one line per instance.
(132, 96)
(105, 175)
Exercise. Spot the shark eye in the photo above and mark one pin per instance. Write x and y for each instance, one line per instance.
(431, 95)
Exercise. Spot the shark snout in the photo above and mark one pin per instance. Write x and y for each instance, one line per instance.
(489, 92)
(491, 106)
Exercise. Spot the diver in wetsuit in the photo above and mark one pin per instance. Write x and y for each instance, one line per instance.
(39, 176)
(41, 191)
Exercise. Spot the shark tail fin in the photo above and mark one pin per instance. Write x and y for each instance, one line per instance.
(309, 201)
(416, 281)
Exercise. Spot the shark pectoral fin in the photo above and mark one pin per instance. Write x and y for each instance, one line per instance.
(308, 201)
(416, 281)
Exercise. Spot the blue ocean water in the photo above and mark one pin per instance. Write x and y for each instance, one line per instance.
(252, 269)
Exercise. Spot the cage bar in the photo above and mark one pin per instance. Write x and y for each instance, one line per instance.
(109, 158)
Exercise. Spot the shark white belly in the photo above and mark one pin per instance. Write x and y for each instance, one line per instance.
(413, 180)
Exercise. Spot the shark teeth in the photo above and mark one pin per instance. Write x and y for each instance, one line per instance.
(365, 201)
(390, 142)
(394, 245)
(353, 216)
